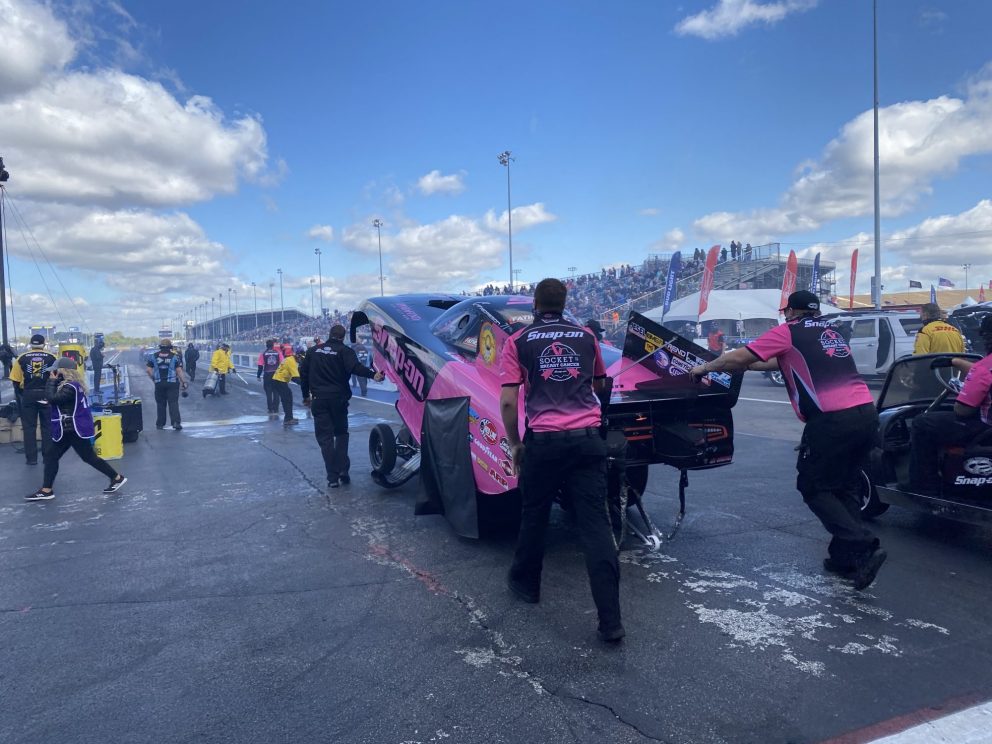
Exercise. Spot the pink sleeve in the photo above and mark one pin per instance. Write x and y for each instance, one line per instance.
(510, 372)
(771, 343)
(261, 361)
(598, 368)
(976, 386)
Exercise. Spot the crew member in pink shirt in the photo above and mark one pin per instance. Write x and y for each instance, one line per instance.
(841, 425)
(560, 367)
(970, 417)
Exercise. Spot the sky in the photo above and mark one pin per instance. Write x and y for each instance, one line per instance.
(161, 154)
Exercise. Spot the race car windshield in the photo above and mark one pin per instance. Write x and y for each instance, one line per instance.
(911, 380)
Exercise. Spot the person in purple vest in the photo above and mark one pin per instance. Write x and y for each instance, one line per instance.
(71, 427)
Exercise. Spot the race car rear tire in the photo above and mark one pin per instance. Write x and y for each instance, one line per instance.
(775, 378)
(382, 449)
(637, 480)
(871, 505)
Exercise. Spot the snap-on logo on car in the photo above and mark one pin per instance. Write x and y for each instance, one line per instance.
(488, 431)
(834, 344)
(978, 466)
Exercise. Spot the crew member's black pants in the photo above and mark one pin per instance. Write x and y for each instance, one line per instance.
(84, 448)
(284, 395)
(330, 427)
(222, 381)
(167, 393)
(929, 432)
(31, 411)
(191, 371)
(835, 445)
(271, 396)
(97, 374)
(362, 382)
(576, 465)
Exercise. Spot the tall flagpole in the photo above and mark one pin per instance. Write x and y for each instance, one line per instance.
(877, 288)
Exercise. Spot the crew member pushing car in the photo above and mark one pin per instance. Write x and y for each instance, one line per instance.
(841, 425)
(560, 366)
(937, 336)
(970, 417)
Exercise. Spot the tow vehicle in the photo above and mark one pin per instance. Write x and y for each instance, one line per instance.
(916, 385)
(878, 337)
(443, 351)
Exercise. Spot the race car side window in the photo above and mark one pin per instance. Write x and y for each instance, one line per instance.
(461, 329)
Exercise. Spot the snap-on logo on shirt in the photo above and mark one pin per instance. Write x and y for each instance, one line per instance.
(834, 344)
(559, 362)
(553, 335)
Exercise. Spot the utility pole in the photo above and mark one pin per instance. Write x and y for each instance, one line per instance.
(272, 312)
(320, 281)
(254, 295)
(377, 224)
(4, 175)
(966, 267)
(312, 306)
(505, 158)
(237, 316)
(282, 304)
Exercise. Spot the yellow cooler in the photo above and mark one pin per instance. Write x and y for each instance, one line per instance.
(109, 441)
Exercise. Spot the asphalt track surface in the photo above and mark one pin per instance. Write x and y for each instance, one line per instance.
(226, 596)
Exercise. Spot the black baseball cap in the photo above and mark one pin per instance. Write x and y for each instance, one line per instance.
(802, 300)
(37, 340)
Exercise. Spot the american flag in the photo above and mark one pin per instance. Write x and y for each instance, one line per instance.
(942, 282)
(915, 285)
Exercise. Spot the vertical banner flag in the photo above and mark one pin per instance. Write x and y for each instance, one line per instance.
(933, 295)
(671, 288)
(854, 276)
(990, 283)
(814, 282)
(789, 282)
(706, 286)
(981, 293)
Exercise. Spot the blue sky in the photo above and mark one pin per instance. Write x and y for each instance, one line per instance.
(637, 128)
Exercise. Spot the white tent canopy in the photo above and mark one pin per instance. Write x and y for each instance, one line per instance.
(724, 304)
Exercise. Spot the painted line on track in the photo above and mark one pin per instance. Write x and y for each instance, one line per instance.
(765, 400)
(956, 721)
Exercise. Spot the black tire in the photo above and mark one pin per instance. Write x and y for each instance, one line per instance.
(382, 449)
(775, 378)
(871, 506)
(637, 480)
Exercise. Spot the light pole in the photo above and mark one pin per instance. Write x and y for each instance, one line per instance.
(272, 312)
(505, 158)
(254, 295)
(282, 305)
(320, 281)
(213, 319)
(220, 309)
(877, 288)
(237, 317)
(230, 317)
(966, 267)
(312, 306)
(377, 224)
(571, 270)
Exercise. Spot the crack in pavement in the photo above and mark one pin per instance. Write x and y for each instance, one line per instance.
(606, 706)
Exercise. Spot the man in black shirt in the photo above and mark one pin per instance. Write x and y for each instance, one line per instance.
(192, 355)
(96, 359)
(30, 375)
(325, 378)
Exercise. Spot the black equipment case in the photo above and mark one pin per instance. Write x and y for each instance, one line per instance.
(131, 419)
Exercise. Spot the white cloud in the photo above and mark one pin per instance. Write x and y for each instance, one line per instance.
(115, 139)
(937, 246)
(672, 240)
(435, 183)
(452, 253)
(525, 216)
(730, 17)
(919, 141)
(35, 43)
(649, 212)
(321, 232)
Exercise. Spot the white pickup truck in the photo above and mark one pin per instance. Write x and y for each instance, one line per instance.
(878, 337)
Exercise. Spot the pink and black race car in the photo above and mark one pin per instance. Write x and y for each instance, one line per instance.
(443, 351)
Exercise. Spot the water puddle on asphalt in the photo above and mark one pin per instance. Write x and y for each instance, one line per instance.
(241, 426)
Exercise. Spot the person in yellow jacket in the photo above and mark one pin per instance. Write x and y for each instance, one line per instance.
(288, 371)
(937, 336)
(221, 363)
